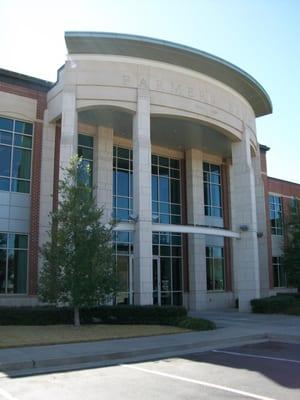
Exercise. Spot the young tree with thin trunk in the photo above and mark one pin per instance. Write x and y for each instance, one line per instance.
(291, 257)
(79, 267)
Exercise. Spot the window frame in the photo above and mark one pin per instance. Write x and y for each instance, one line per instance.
(159, 164)
(276, 207)
(129, 254)
(212, 258)
(209, 184)
(129, 171)
(13, 146)
(277, 263)
(7, 248)
(164, 247)
(88, 159)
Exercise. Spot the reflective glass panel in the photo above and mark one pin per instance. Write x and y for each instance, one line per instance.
(6, 137)
(17, 271)
(23, 127)
(23, 141)
(6, 124)
(21, 163)
(5, 157)
(2, 270)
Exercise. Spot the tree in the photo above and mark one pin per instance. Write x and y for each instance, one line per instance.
(291, 258)
(79, 267)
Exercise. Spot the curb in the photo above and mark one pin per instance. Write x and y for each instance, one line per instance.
(153, 352)
(87, 360)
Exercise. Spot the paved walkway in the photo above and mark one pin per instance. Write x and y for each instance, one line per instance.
(234, 328)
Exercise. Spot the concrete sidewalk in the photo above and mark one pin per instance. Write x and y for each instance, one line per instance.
(233, 328)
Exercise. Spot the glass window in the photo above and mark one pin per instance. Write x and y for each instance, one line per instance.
(16, 241)
(212, 190)
(85, 141)
(85, 151)
(6, 124)
(163, 188)
(168, 247)
(3, 240)
(166, 190)
(294, 207)
(15, 155)
(123, 249)
(279, 274)
(23, 141)
(23, 127)
(4, 184)
(275, 206)
(5, 157)
(154, 187)
(13, 263)
(21, 163)
(123, 183)
(215, 268)
(6, 137)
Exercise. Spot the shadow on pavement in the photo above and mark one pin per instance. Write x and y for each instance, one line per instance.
(284, 373)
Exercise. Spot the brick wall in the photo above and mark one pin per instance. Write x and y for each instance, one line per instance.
(39, 94)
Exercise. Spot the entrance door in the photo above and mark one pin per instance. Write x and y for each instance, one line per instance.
(156, 281)
(125, 279)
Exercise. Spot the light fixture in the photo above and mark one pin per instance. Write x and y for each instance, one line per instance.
(244, 228)
(133, 217)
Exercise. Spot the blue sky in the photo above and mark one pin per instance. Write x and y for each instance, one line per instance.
(260, 36)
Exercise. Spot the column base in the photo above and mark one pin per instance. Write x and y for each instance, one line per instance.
(143, 299)
(197, 301)
(245, 299)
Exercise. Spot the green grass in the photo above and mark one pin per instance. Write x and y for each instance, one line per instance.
(22, 335)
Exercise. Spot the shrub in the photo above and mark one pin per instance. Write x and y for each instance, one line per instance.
(273, 304)
(197, 324)
(45, 315)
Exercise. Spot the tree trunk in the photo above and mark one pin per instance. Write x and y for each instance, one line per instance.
(76, 317)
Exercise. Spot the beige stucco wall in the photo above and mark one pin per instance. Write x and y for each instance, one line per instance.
(19, 107)
(113, 80)
(161, 89)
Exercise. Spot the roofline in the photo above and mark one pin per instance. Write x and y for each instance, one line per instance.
(233, 72)
(30, 81)
(282, 180)
(263, 147)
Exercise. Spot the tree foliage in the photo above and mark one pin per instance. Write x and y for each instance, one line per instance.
(291, 258)
(79, 268)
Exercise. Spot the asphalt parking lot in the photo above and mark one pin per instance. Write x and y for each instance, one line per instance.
(263, 371)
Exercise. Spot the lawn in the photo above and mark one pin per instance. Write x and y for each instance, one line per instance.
(16, 336)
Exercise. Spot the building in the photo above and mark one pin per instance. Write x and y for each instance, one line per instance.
(169, 133)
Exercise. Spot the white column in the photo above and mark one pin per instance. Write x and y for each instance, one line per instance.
(103, 175)
(261, 197)
(47, 172)
(243, 203)
(69, 134)
(143, 282)
(195, 216)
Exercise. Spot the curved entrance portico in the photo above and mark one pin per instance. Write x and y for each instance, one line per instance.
(201, 127)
